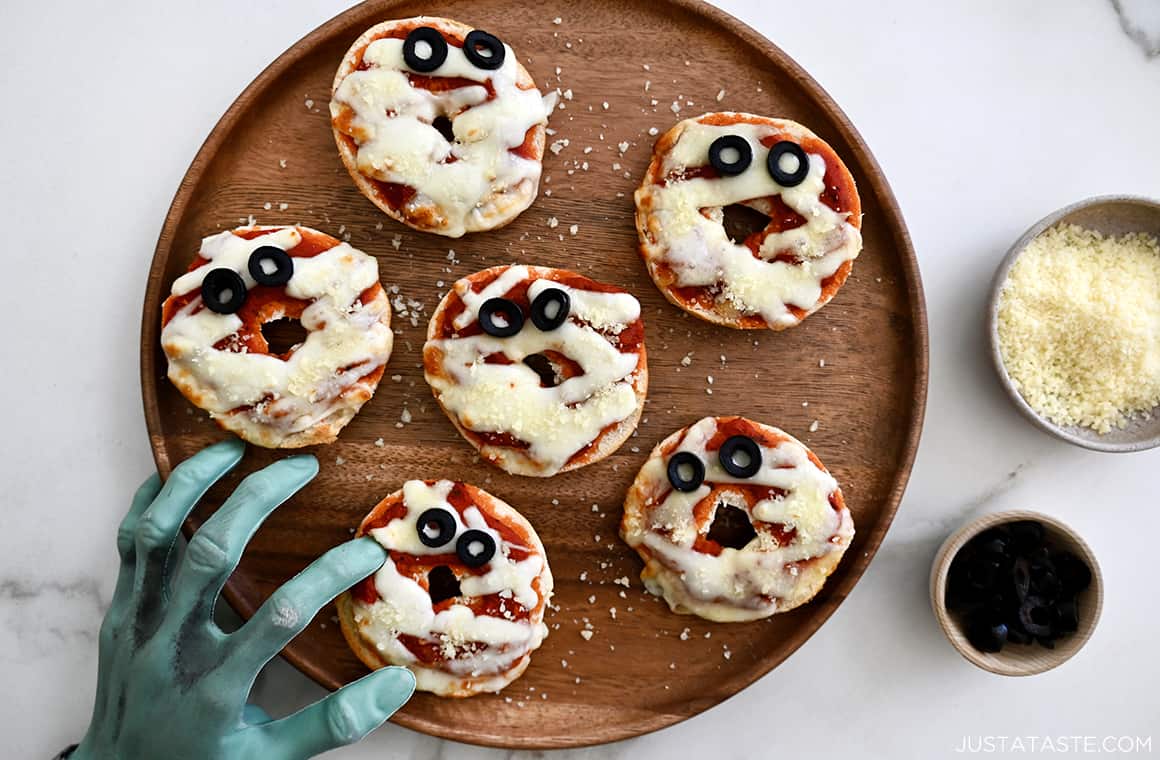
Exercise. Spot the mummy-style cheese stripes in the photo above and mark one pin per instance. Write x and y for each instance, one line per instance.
(543, 370)
(220, 360)
(460, 600)
(776, 276)
(735, 520)
(439, 125)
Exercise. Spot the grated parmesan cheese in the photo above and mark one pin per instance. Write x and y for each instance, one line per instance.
(1079, 326)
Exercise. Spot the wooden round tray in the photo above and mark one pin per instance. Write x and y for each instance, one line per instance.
(272, 157)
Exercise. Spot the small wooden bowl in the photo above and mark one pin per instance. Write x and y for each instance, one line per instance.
(1018, 659)
(1110, 215)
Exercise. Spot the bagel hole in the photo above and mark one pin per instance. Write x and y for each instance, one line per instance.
(731, 527)
(443, 124)
(283, 335)
(442, 584)
(549, 373)
(741, 221)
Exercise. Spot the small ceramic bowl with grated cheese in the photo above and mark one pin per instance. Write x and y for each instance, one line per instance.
(1073, 314)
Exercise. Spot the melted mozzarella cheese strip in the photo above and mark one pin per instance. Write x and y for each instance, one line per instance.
(729, 586)
(346, 339)
(556, 422)
(700, 252)
(405, 608)
(397, 142)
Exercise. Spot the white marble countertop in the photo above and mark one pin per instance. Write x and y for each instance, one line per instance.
(985, 115)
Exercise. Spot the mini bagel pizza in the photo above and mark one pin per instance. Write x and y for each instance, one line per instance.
(776, 276)
(460, 600)
(542, 370)
(220, 360)
(735, 521)
(439, 125)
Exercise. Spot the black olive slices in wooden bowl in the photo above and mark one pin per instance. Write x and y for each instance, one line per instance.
(450, 212)
(1016, 593)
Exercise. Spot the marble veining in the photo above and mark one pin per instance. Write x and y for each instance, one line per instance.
(1140, 20)
(40, 616)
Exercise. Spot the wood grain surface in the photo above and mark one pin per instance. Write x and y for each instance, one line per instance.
(272, 157)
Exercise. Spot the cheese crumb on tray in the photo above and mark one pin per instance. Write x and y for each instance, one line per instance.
(1079, 326)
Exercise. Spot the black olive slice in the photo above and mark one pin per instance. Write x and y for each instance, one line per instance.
(1027, 536)
(1074, 575)
(1021, 577)
(732, 143)
(550, 309)
(682, 463)
(1001, 605)
(1017, 635)
(223, 291)
(781, 176)
(986, 634)
(740, 456)
(1036, 616)
(283, 265)
(998, 546)
(982, 572)
(1044, 582)
(509, 311)
(475, 548)
(424, 59)
(483, 50)
(1066, 616)
(960, 593)
(1000, 531)
(436, 527)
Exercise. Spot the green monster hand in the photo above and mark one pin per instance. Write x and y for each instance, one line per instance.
(170, 683)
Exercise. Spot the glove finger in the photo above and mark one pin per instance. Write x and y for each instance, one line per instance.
(127, 539)
(122, 592)
(157, 529)
(215, 550)
(292, 606)
(341, 718)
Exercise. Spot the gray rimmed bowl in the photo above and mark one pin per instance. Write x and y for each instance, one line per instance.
(1110, 215)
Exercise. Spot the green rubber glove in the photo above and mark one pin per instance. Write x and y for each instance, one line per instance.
(170, 683)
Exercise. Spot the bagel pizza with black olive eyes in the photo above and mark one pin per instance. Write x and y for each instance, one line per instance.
(775, 277)
(542, 370)
(460, 600)
(218, 358)
(399, 84)
(735, 521)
